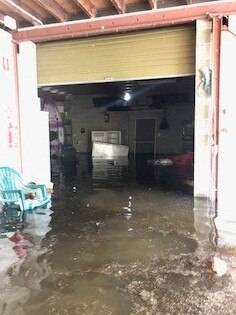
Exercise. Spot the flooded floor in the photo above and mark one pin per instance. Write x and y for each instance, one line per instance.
(121, 237)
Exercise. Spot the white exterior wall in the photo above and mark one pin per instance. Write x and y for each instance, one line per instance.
(85, 115)
(9, 124)
(24, 141)
(34, 122)
(202, 155)
(226, 219)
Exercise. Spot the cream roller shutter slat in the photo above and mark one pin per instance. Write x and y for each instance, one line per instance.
(146, 54)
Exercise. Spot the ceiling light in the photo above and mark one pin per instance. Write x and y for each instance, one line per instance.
(54, 90)
(127, 96)
(46, 88)
(61, 92)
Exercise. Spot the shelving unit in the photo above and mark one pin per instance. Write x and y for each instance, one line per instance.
(67, 124)
(188, 138)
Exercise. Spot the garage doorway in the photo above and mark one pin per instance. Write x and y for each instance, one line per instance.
(99, 108)
(155, 78)
(145, 136)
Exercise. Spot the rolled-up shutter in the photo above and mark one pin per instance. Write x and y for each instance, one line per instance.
(166, 52)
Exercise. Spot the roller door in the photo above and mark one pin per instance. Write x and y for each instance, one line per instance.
(166, 52)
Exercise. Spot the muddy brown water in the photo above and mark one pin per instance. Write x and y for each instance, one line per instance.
(118, 239)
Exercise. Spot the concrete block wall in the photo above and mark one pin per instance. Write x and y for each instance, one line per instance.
(88, 117)
(203, 115)
(34, 122)
(85, 115)
(24, 141)
(226, 214)
(10, 151)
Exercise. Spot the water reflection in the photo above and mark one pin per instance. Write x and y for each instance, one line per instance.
(123, 170)
(116, 243)
(204, 225)
(108, 171)
(21, 269)
(216, 242)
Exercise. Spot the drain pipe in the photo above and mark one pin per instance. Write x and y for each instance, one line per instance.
(216, 43)
(16, 79)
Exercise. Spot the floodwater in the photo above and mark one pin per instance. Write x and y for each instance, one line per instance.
(121, 237)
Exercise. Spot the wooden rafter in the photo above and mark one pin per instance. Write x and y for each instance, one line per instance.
(1, 18)
(54, 9)
(153, 3)
(126, 22)
(87, 6)
(22, 5)
(119, 5)
(22, 11)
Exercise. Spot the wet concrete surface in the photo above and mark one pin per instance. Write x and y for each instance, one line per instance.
(121, 238)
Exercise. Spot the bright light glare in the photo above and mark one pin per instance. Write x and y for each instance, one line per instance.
(54, 90)
(10, 22)
(127, 96)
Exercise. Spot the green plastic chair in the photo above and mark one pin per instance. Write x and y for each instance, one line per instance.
(15, 194)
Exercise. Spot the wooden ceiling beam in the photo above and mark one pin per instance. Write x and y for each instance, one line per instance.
(1, 18)
(119, 5)
(54, 9)
(153, 3)
(22, 11)
(87, 6)
(126, 22)
(22, 5)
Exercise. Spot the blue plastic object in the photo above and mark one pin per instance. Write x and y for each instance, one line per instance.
(15, 194)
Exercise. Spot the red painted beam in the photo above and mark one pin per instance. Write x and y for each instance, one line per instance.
(125, 22)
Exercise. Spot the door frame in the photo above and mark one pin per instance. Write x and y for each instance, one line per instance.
(155, 134)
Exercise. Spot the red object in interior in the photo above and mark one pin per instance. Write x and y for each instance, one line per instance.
(185, 159)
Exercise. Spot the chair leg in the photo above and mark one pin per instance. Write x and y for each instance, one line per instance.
(20, 214)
